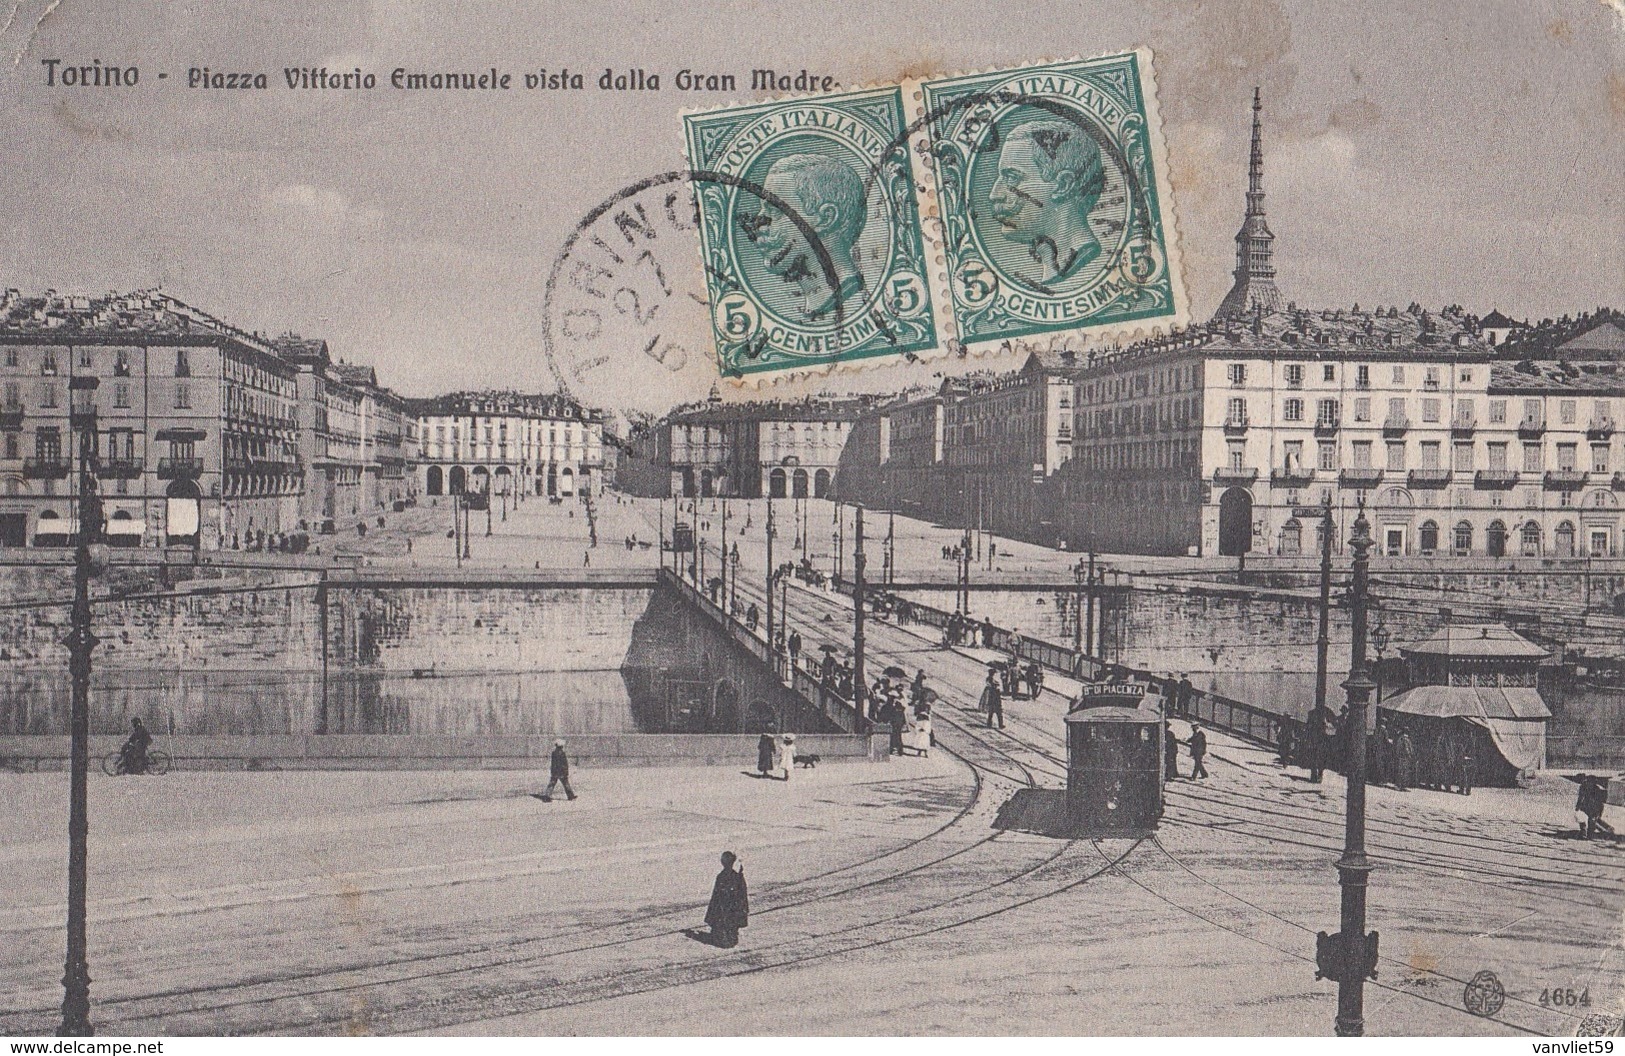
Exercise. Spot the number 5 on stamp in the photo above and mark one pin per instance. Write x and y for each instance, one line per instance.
(1052, 184)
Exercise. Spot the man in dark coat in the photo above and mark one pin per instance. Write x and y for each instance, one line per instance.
(730, 903)
(894, 714)
(1170, 753)
(992, 698)
(558, 765)
(764, 753)
(1198, 743)
(987, 633)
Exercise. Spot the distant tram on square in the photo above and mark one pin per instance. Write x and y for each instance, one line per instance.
(1114, 760)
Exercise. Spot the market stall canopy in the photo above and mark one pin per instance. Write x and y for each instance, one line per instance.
(1515, 716)
(1487, 641)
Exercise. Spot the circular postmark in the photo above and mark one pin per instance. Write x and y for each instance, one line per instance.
(626, 316)
(1483, 995)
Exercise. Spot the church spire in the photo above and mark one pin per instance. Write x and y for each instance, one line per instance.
(1254, 287)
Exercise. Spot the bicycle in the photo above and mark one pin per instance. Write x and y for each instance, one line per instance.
(157, 764)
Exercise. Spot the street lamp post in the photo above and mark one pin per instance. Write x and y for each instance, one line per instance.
(81, 642)
(858, 685)
(1323, 640)
(770, 574)
(1078, 572)
(1351, 955)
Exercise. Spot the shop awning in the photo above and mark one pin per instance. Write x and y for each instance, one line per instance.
(126, 526)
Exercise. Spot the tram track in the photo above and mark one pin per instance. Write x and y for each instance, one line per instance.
(1506, 865)
(262, 993)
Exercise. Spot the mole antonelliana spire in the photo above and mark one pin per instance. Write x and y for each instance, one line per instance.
(1255, 273)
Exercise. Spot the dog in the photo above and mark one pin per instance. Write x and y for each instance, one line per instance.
(808, 761)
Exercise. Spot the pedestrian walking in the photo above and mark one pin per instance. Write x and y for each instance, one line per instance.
(987, 633)
(896, 715)
(1284, 744)
(1170, 753)
(795, 647)
(787, 754)
(993, 698)
(764, 753)
(558, 766)
(729, 909)
(1404, 760)
(1198, 745)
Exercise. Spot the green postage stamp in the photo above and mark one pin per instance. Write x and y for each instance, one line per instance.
(936, 216)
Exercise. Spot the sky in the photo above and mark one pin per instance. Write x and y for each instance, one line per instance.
(1444, 153)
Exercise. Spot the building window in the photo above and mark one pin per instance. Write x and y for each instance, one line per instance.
(1362, 409)
(1328, 372)
(1396, 409)
(87, 359)
(1399, 374)
(1237, 372)
(1396, 454)
(1430, 410)
(14, 445)
(1430, 378)
(1236, 454)
(1464, 411)
(47, 362)
(1292, 455)
(1566, 455)
(1531, 539)
(183, 395)
(1531, 458)
(1566, 411)
(1328, 454)
(14, 396)
(121, 364)
(1236, 410)
(1294, 375)
(1532, 411)
(1599, 458)
(1498, 457)
(1462, 457)
(1498, 412)
(11, 356)
(1293, 411)
(1466, 375)
(183, 365)
(1362, 454)
(1464, 539)
(1430, 454)
(121, 394)
(1362, 376)
(1429, 538)
(47, 394)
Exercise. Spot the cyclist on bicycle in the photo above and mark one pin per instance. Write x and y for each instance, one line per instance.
(133, 756)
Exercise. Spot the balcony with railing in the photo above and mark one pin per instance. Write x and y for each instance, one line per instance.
(1235, 424)
(46, 467)
(120, 468)
(179, 468)
(1360, 477)
(1531, 427)
(1327, 426)
(82, 417)
(1430, 478)
(1565, 479)
(1292, 477)
(1495, 479)
(1395, 425)
(1463, 425)
(1235, 475)
(1600, 428)
(11, 418)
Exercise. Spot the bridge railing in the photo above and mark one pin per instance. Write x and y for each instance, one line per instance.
(803, 679)
(1239, 718)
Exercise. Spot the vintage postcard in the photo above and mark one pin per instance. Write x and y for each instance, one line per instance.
(531, 521)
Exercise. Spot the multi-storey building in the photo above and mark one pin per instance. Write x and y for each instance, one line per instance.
(780, 449)
(194, 421)
(1005, 435)
(506, 443)
(1226, 440)
(896, 453)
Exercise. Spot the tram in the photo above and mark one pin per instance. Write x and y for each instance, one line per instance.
(1114, 768)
